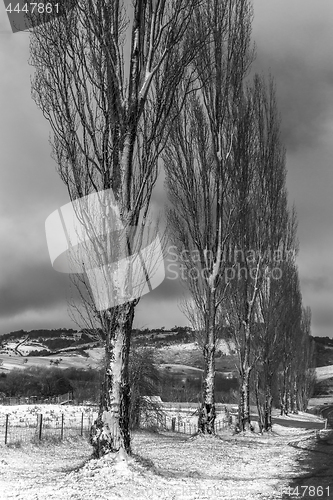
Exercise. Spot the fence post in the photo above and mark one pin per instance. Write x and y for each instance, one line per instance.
(62, 427)
(82, 424)
(40, 426)
(6, 430)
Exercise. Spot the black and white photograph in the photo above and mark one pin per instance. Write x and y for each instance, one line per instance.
(166, 243)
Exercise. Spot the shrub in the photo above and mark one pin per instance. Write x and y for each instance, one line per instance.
(144, 380)
(46, 440)
(14, 444)
(43, 382)
(41, 352)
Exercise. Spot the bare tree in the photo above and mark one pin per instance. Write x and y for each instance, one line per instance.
(301, 373)
(274, 311)
(307, 373)
(105, 79)
(290, 329)
(199, 165)
(261, 213)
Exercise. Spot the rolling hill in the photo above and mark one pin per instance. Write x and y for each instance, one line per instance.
(176, 352)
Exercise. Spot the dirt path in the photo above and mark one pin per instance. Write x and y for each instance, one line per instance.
(166, 466)
(315, 464)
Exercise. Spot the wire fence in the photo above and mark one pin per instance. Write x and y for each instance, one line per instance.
(34, 426)
(184, 426)
(14, 429)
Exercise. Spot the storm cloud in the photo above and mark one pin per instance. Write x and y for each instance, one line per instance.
(294, 43)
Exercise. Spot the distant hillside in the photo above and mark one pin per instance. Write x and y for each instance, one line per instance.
(42, 342)
(47, 342)
(324, 351)
(177, 354)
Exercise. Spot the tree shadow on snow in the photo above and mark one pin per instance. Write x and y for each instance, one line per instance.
(314, 477)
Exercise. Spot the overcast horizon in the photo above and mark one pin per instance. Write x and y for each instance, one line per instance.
(294, 43)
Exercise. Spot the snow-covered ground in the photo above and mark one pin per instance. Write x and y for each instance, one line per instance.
(221, 345)
(68, 360)
(320, 401)
(23, 420)
(164, 466)
(56, 419)
(187, 370)
(324, 372)
(29, 412)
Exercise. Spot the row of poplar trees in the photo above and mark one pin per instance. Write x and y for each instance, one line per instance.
(129, 87)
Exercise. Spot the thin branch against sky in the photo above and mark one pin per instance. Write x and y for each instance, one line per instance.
(284, 33)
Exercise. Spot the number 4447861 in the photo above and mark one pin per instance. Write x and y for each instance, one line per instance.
(309, 491)
(39, 8)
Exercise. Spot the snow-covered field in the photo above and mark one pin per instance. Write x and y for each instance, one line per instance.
(165, 466)
(23, 421)
(324, 372)
(68, 360)
(320, 401)
(28, 413)
(221, 345)
(25, 416)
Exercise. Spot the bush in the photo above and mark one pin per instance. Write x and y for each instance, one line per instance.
(144, 379)
(35, 381)
(41, 352)
(14, 444)
(85, 382)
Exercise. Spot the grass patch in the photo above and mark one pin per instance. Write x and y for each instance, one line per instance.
(14, 445)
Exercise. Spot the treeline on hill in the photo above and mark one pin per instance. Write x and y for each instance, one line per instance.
(53, 340)
(35, 381)
(174, 388)
(47, 382)
(159, 337)
(328, 341)
(62, 343)
(58, 339)
(35, 334)
(324, 351)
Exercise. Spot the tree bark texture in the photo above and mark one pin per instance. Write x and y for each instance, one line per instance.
(207, 414)
(111, 430)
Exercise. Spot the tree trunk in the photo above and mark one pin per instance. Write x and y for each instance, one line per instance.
(207, 413)
(284, 393)
(268, 408)
(259, 404)
(244, 419)
(111, 430)
(295, 404)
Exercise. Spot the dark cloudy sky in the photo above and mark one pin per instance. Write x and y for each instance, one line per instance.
(294, 40)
